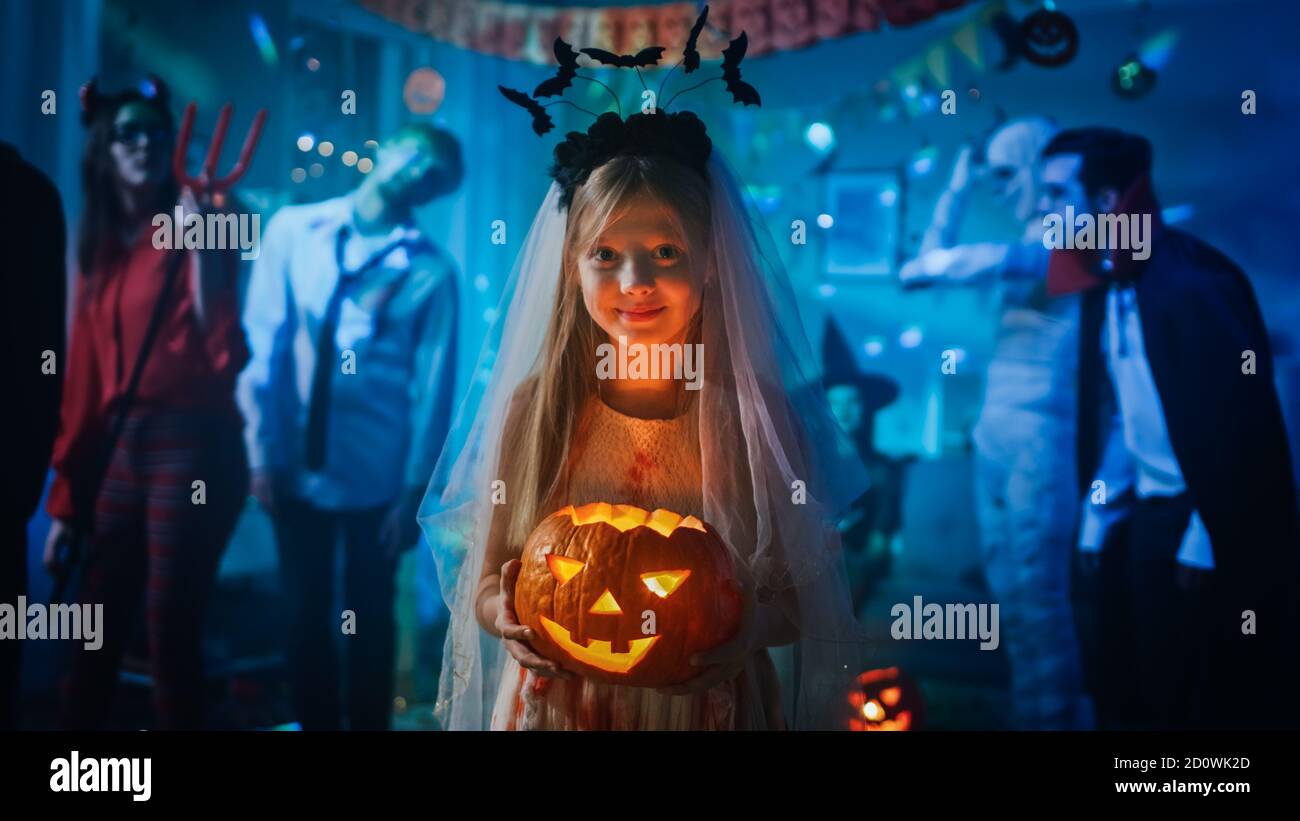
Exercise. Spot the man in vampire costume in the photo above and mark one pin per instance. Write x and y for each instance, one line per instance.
(1180, 438)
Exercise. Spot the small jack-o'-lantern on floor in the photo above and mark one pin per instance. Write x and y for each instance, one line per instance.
(624, 595)
(885, 700)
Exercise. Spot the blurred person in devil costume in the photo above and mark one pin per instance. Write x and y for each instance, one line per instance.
(148, 534)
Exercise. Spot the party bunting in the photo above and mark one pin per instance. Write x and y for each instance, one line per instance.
(522, 32)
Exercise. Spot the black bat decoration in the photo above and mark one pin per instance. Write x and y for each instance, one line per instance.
(644, 57)
(741, 91)
(568, 60)
(542, 122)
(691, 57)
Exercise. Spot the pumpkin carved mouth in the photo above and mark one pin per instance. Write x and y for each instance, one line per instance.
(597, 653)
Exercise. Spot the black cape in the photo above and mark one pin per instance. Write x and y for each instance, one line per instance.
(1199, 317)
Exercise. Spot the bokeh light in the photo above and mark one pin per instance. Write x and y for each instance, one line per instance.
(820, 136)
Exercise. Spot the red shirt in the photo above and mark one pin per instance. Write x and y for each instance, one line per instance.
(190, 367)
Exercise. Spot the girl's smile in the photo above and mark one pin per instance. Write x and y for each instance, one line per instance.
(641, 314)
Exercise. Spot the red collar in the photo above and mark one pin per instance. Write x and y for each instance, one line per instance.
(1071, 270)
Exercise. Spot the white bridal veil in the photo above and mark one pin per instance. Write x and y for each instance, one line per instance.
(777, 471)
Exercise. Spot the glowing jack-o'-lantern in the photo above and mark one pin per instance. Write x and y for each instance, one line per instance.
(885, 700)
(623, 595)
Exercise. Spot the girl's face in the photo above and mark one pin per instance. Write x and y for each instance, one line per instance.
(141, 146)
(639, 279)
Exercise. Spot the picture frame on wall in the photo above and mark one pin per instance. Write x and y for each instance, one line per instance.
(864, 238)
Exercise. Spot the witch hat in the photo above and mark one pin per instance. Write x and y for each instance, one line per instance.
(840, 367)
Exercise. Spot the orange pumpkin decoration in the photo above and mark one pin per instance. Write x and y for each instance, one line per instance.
(885, 700)
(622, 595)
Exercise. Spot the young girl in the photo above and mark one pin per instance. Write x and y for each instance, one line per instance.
(644, 236)
(148, 537)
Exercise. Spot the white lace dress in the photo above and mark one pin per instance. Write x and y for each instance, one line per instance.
(650, 463)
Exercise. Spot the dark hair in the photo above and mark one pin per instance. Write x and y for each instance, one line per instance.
(1111, 158)
(102, 218)
(680, 135)
(445, 177)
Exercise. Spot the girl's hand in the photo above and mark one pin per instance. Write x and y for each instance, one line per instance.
(514, 635)
(728, 659)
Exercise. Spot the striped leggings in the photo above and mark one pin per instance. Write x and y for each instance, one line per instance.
(154, 540)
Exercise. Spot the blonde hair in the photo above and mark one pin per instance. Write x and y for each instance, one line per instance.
(542, 425)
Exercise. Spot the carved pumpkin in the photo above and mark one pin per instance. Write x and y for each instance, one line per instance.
(622, 595)
(885, 700)
(1048, 38)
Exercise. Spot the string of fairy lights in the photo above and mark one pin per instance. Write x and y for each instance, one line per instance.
(308, 144)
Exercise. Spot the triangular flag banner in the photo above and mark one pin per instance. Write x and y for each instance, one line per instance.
(908, 73)
(967, 40)
(986, 14)
(937, 61)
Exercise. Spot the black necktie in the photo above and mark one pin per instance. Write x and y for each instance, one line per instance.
(318, 407)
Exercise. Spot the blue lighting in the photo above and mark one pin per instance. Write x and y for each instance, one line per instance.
(820, 136)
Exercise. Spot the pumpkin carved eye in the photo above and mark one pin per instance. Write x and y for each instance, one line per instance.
(664, 582)
(563, 568)
(605, 565)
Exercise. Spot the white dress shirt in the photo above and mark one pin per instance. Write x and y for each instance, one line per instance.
(391, 399)
(1138, 458)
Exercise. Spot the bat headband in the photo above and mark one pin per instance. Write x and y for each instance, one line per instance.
(680, 135)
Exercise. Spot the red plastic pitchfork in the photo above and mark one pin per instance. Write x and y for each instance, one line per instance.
(206, 181)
